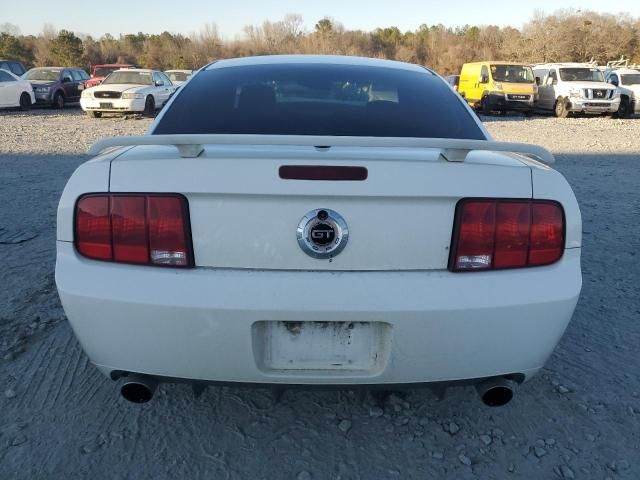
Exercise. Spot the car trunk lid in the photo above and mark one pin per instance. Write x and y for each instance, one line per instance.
(244, 215)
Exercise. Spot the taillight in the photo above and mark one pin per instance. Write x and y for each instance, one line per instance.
(491, 234)
(142, 229)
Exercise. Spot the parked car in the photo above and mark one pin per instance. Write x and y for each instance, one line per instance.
(15, 92)
(12, 66)
(566, 88)
(100, 72)
(627, 81)
(132, 90)
(498, 86)
(280, 224)
(57, 86)
(178, 77)
(453, 80)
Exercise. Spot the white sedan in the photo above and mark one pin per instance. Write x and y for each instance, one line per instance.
(128, 91)
(15, 91)
(318, 220)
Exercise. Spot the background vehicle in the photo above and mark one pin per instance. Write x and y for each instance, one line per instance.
(627, 80)
(306, 236)
(566, 88)
(128, 91)
(15, 92)
(178, 77)
(12, 66)
(100, 72)
(453, 80)
(498, 86)
(57, 86)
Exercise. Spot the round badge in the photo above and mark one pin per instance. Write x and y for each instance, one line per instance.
(322, 233)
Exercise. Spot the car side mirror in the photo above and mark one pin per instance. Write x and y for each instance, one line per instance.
(614, 81)
(158, 83)
(538, 81)
(484, 79)
(66, 80)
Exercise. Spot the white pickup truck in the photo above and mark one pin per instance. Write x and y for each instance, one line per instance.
(318, 220)
(566, 88)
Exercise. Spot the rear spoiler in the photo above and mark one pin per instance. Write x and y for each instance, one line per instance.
(451, 149)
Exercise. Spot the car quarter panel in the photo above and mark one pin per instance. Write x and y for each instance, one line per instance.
(92, 176)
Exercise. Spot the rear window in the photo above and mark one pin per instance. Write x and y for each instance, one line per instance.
(313, 99)
(178, 76)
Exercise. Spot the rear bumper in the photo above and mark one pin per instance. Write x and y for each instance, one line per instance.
(208, 324)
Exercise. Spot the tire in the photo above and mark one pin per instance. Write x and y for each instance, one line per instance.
(149, 107)
(624, 110)
(25, 101)
(485, 107)
(58, 101)
(560, 108)
(93, 114)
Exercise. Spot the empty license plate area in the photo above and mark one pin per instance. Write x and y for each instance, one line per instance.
(321, 346)
(106, 105)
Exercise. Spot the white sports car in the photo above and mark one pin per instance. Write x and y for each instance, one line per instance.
(318, 220)
(132, 90)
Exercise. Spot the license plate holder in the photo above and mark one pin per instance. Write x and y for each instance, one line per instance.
(106, 105)
(322, 346)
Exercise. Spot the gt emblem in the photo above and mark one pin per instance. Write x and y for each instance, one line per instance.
(322, 233)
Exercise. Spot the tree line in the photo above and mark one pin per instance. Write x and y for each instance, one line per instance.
(566, 35)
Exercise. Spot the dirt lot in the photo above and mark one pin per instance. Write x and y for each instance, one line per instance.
(59, 418)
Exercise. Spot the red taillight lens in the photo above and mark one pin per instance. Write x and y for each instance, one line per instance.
(547, 234)
(167, 235)
(494, 234)
(93, 228)
(131, 228)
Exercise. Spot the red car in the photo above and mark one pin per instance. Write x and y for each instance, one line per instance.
(100, 72)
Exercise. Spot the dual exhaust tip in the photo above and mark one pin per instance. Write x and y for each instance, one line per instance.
(494, 392)
(138, 388)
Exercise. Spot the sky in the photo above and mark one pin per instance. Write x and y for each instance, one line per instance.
(186, 16)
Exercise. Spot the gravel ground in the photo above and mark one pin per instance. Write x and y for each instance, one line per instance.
(59, 418)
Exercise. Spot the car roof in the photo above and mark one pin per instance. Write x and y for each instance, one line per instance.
(314, 59)
(498, 62)
(144, 70)
(623, 70)
(564, 64)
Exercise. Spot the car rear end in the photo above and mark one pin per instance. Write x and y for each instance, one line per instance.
(312, 259)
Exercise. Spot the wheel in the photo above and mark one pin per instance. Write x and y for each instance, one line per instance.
(149, 107)
(25, 101)
(485, 106)
(93, 114)
(560, 108)
(624, 110)
(58, 100)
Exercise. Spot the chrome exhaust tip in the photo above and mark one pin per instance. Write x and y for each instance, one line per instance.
(138, 388)
(496, 392)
